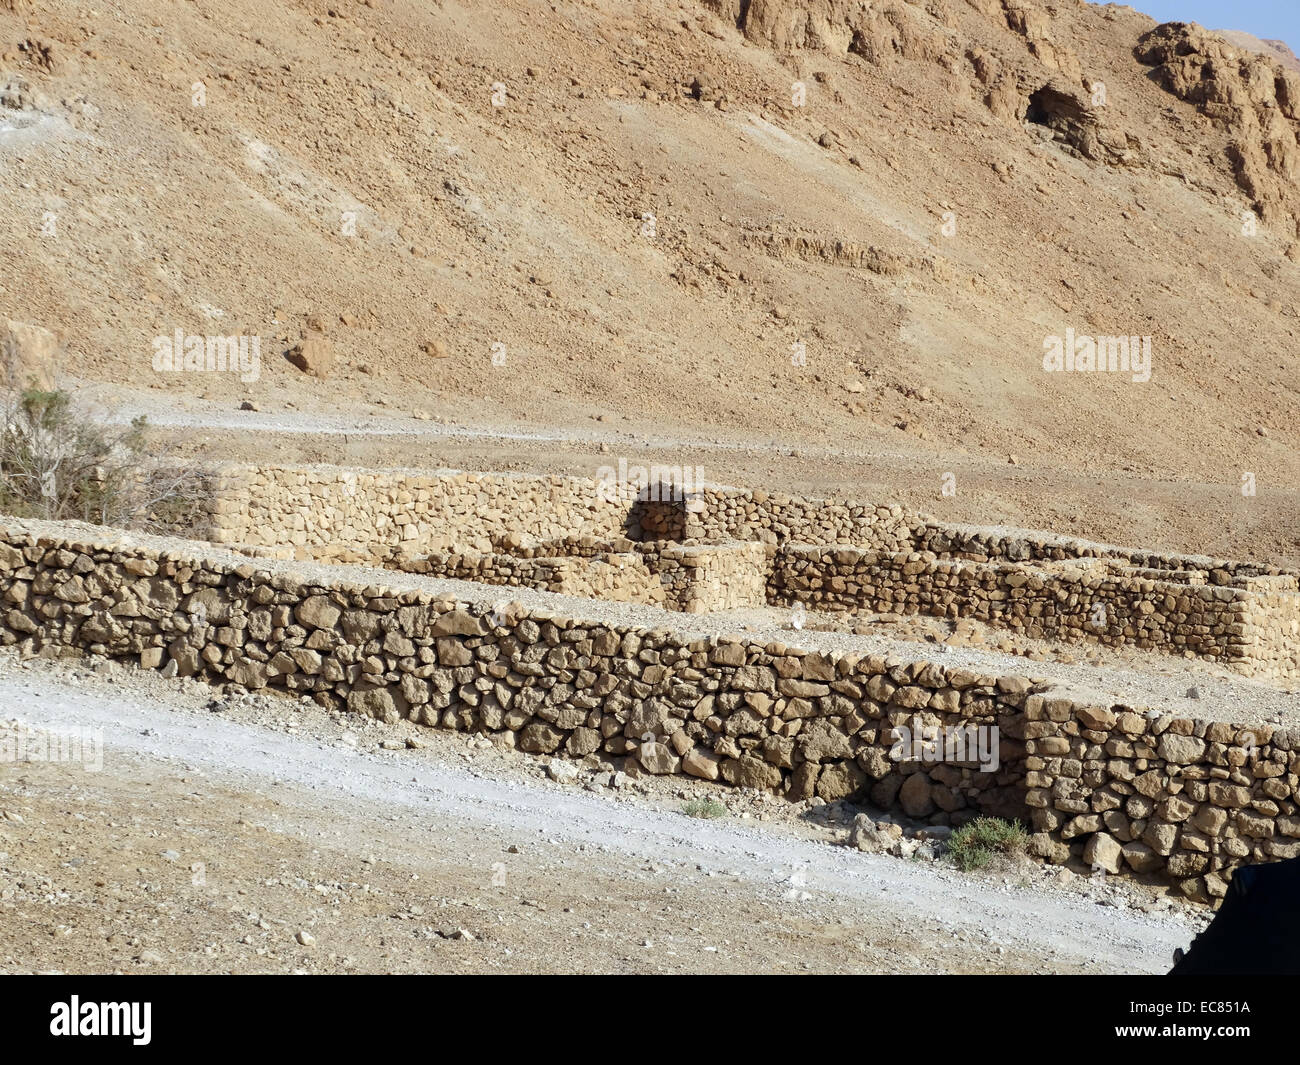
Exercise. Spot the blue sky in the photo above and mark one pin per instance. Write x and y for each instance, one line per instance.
(1277, 19)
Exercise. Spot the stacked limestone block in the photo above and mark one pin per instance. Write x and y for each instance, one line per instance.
(619, 577)
(759, 714)
(975, 544)
(1187, 800)
(700, 578)
(337, 514)
(771, 518)
(1083, 600)
(1272, 623)
(695, 578)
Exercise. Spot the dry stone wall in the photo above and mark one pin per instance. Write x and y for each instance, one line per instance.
(976, 544)
(1272, 620)
(1187, 799)
(1193, 799)
(700, 578)
(1250, 625)
(337, 514)
(716, 513)
(622, 577)
(829, 554)
(695, 578)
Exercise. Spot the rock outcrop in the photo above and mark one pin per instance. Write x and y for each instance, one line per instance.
(28, 355)
(1255, 101)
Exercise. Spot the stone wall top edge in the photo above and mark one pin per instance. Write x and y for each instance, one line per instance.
(681, 628)
(1047, 538)
(436, 472)
(920, 523)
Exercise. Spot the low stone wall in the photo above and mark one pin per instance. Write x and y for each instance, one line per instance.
(719, 513)
(1272, 621)
(337, 514)
(700, 578)
(864, 558)
(1187, 799)
(622, 577)
(974, 544)
(1249, 625)
(758, 714)
(367, 515)
(693, 578)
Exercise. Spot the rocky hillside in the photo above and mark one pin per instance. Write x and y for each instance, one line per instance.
(813, 221)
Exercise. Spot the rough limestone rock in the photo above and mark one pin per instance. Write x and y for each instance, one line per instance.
(383, 704)
(1044, 845)
(915, 796)
(1103, 851)
(840, 780)
(1254, 101)
(540, 738)
(1182, 750)
(702, 763)
(314, 356)
(1141, 858)
(749, 772)
(658, 758)
(28, 355)
(866, 836)
(318, 612)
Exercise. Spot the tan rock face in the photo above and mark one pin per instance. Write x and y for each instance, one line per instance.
(28, 355)
(314, 355)
(1255, 100)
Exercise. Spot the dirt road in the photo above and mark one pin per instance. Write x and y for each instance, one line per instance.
(269, 837)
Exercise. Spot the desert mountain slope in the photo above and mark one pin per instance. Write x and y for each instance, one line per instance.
(649, 226)
(1278, 51)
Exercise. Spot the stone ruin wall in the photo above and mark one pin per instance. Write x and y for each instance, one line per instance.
(702, 578)
(1180, 798)
(1186, 799)
(718, 513)
(829, 554)
(335, 514)
(621, 577)
(694, 579)
(1250, 626)
(1273, 625)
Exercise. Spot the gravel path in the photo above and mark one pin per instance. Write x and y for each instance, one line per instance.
(167, 410)
(426, 800)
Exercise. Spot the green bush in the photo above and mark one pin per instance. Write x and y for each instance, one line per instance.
(978, 842)
(708, 808)
(57, 463)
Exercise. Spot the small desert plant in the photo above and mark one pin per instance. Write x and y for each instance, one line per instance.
(707, 808)
(57, 463)
(978, 842)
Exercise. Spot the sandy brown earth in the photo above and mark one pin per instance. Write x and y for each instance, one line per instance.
(525, 225)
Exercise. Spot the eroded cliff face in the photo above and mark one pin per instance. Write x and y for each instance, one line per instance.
(873, 30)
(1010, 55)
(1022, 65)
(1253, 99)
(653, 220)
